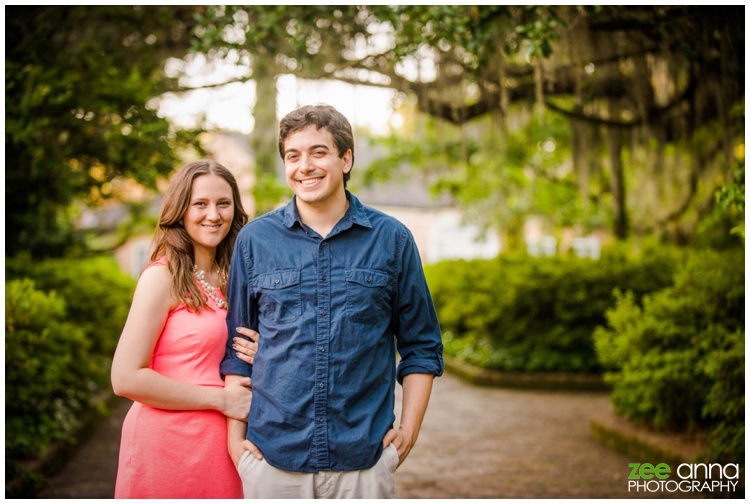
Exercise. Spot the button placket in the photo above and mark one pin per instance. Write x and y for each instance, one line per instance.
(322, 337)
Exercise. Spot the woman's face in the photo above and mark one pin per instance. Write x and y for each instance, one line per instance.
(210, 212)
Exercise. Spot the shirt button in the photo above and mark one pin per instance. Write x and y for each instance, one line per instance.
(277, 280)
(323, 277)
(322, 349)
(319, 419)
(324, 313)
(368, 280)
(320, 385)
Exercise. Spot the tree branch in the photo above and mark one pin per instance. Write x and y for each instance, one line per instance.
(592, 119)
(184, 89)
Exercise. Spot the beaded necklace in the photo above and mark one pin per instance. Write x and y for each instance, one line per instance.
(208, 288)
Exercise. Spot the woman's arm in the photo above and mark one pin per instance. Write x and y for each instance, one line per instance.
(131, 376)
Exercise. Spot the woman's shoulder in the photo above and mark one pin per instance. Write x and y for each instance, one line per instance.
(159, 261)
(156, 280)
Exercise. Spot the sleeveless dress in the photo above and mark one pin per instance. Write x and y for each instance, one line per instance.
(181, 454)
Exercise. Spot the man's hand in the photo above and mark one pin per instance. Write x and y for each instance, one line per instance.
(402, 441)
(235, 436)
(248, 445)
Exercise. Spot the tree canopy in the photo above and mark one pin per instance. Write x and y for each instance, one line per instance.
(642, 106)
(649, 92)
(78, 120)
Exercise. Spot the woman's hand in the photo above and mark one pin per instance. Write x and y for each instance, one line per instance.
(238, 396)
(246, 349)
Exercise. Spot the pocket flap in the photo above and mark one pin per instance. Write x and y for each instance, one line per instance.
(279, 279)
(368, 278)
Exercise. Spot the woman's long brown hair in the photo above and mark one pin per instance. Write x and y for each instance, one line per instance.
(172, 240)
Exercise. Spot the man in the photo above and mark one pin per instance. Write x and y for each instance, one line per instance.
(334, 288)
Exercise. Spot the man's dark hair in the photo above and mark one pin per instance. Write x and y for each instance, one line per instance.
(323, 117)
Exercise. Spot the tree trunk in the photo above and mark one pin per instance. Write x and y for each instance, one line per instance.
(264, 138)
(617, 179)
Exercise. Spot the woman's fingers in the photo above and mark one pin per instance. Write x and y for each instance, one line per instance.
(246, 349)
(245, 381)
(248, 332)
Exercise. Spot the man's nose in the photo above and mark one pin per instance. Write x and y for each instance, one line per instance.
(306, 163)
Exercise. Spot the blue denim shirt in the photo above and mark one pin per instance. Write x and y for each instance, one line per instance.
(331, 313)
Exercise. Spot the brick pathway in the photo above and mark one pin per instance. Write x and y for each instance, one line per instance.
(479, 442)
(475, 442)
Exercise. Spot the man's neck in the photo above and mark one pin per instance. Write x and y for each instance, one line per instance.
(322, 218)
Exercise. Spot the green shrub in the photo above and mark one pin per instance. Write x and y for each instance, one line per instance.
(537, 314)
(679, 358)
(63, 320)
(96, 291)
(48, 375)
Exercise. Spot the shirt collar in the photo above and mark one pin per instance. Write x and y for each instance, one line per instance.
(355, 213)
(290, 213)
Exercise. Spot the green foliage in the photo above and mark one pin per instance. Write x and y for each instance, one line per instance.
(49, 375)
(718, 230)
(541, 31)
(63, 320)
(475, 33)
(497, 182)
(290, 35)
(731, 197)
(268, 192)
(97, 294)
(678, 359)
(537, 314)
(78, 86)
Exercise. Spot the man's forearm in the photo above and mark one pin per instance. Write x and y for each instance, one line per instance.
(417, 389)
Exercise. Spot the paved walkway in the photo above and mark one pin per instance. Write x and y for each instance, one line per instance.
(475, 442)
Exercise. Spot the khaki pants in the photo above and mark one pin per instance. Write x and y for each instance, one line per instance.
(260, 480)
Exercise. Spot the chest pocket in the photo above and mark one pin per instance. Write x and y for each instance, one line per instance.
(281, 296)
(367, 295)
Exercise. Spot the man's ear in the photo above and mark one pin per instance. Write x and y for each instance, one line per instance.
(347, 157)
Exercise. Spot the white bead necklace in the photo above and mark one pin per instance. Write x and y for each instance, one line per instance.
(208, 288)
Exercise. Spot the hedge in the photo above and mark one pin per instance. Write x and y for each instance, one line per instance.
(521, 313)
(63, 321)
(678, 358)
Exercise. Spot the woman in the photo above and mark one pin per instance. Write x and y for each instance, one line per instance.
(167, 360)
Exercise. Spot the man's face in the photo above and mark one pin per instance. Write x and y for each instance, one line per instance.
(314, 170)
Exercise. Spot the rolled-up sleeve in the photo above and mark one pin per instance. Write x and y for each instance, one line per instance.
(415, 321)
(242, 311)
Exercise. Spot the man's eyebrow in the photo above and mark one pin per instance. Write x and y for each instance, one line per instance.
(312, 147)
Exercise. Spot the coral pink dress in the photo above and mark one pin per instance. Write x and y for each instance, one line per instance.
(181, 454)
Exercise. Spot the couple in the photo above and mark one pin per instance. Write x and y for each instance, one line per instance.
(333, 288)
